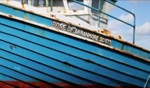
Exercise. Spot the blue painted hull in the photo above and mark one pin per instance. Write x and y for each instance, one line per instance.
(32, 53)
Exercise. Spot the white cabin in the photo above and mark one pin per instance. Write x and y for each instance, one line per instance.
(70, 11)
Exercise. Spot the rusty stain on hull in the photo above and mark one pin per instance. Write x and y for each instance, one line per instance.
(106, 32)
(8, 1)
(23, 6)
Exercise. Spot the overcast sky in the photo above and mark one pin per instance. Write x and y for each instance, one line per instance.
(141, 8)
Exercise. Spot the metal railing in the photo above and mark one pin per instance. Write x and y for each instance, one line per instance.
(99, 10)
(146, 83)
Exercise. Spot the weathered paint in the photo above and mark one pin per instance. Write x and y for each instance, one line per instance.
(128, 47)
(37, 46)
(37, 52)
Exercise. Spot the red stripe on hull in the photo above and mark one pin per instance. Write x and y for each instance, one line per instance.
(13, 84)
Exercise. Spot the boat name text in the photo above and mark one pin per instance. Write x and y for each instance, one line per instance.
(81, 32)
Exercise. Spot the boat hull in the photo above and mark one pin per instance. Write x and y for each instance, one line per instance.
(31, 52)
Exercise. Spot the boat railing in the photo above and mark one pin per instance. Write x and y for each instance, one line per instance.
(99, 10)
(146, 83)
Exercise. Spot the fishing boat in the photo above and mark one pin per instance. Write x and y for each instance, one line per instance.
(65, 43)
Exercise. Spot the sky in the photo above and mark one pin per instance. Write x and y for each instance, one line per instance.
(141, 9)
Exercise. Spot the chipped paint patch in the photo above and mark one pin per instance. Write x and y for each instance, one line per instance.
(18, 68)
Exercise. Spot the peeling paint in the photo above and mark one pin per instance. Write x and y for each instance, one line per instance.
(18, 68)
